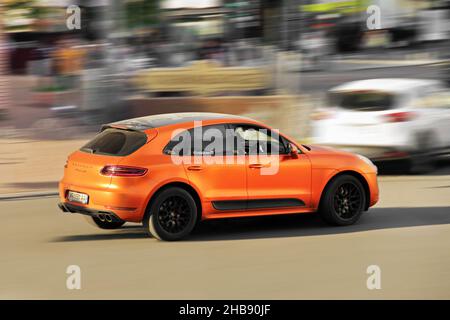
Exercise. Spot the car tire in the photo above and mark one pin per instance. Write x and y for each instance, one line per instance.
(172, 215)
(421, 164)
(107, 225)
(343, 201)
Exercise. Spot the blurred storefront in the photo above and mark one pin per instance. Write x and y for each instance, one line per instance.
(33, 27)
(4, 83)
(229, 19)
(402, 22)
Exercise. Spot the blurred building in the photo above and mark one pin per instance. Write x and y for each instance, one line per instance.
(33, 25)
(226, 19)
(191, 20)
(4, 83)
(189, 28)
(402, 22)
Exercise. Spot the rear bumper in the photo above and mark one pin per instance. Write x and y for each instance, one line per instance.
(127, 205)
(102, 215)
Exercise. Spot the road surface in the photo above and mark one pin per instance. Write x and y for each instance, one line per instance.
(292, 257)
(319, 82)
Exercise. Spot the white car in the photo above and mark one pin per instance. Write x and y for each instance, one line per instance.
(387, 119)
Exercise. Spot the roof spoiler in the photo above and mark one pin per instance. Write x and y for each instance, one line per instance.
(118, 126)
(150, 136)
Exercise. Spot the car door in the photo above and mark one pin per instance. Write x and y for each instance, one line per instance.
(433, 104)
(275, 177)
(441, 124)
(219, 175)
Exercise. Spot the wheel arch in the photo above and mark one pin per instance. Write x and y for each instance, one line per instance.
(182, 185)
(355, 174)
(422, 137)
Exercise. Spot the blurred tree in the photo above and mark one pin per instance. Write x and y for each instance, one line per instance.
(18, 15)
(141, 13)
(21, 15)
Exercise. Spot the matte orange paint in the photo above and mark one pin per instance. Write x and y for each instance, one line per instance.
(303, 176)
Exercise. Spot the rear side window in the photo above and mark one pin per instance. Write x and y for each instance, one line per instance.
(116, 142)
(208, 140)
(362, 100)
(259, 140)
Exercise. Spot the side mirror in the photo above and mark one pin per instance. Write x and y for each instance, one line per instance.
(293, 151)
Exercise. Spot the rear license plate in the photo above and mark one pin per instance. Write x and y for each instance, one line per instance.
(78, 197)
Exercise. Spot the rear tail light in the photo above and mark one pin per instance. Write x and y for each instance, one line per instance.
(123, 171)
(395, 154)
(400, 116)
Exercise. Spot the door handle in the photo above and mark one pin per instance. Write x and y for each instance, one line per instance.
(256, 166)
(195, 168)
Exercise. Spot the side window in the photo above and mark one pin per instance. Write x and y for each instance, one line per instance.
(179, 145)
(258, 140)
(433, 98)
(440, 99)
(213, 141)
(425, 100)
(207, 140)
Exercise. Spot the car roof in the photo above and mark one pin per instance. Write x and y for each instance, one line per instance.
(167, 119)
(394, 85)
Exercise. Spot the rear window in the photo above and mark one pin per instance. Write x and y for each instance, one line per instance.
(362, 101)
(116, 142)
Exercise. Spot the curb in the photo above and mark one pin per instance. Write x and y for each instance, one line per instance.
(28, 195)
(367, 65)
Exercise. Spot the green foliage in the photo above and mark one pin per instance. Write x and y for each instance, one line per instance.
(51, 88)
(142, 13)
(12, 7)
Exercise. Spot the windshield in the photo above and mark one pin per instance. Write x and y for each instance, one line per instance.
(116, 142)
(362, 100)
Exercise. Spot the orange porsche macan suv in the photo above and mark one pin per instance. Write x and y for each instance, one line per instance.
(170, 171)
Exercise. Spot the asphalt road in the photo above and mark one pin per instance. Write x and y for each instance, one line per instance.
(292, 257)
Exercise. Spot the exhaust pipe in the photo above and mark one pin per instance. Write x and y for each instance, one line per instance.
(101, 217)
(108, 218)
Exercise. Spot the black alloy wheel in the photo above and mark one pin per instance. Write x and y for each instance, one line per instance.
(347, 200)
(174, 214)
(171, 215)
(343, 201)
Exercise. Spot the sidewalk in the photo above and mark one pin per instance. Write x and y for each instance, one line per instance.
(370, 59)
(366, 62)
(28, 118)
(391, 57)
(33, 166)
